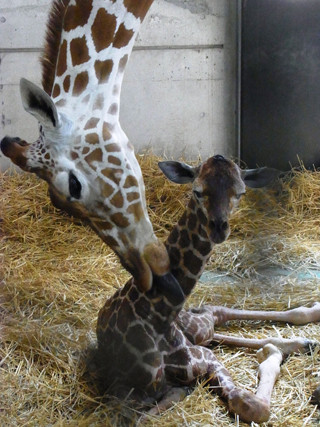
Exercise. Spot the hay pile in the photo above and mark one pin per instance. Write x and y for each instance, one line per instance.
(57, 274)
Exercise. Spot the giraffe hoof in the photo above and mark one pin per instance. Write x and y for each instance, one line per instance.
(249, 407)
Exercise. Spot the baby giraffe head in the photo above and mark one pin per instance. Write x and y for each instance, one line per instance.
(218, 184)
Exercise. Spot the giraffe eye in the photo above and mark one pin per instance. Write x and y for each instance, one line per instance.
(74, 186)
(198, 194)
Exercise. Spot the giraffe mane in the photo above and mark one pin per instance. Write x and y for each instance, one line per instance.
(52, 43)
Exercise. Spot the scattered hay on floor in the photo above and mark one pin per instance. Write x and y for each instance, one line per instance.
(57, 274)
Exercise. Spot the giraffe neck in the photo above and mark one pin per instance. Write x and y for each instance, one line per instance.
(97, 37)
(189, 248)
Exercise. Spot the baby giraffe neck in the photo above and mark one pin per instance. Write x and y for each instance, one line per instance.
(189, 248)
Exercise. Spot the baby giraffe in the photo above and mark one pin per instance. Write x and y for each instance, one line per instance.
(150, 350)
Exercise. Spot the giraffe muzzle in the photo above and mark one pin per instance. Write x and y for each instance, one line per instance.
(14, 148)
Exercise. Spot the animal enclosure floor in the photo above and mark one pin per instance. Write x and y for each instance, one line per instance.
(56, 274)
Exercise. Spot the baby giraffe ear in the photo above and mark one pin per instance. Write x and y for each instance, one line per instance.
(260, 177)
(177, 172)
(38, 103)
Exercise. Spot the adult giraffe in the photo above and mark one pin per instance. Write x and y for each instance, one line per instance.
(82, 151)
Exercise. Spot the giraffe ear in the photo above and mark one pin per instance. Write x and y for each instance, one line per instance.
(177, 172)
(38, 103)
(260, 177)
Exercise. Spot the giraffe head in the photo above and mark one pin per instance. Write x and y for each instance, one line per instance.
(218, 184)
(82, 151)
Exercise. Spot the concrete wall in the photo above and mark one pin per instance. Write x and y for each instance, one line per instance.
(178, 94)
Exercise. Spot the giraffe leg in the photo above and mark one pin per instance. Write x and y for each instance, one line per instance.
(285, 345)
(296, 316)
(199, 362)
(270, 358)
(199, 324)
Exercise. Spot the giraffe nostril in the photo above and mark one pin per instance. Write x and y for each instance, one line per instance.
(224, 225)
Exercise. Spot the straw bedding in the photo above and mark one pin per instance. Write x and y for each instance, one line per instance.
(57, 274)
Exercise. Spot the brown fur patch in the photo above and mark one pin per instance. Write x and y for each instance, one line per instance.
(192, 263)
(117, 200)
(114, 160)
(62, 59)
(91, 123)
(136, 210)
(106, 131)
(92, 138)
(113, 148)
(74, 155)
(95, 156)
(103, 29)
(113, 174)
(103, 70)
(131, 181)
(98, 103)
(113, 109)
(80, 83)
(85, 150)
(122, 37)
(56, 91)
(79, 51)
(106, 189)
(78, 15)
(120, 220)
(138, 9)
(123, 62)
(66, 83)
(133, 196)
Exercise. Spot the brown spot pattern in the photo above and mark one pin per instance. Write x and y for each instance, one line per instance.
(136, 210)
(123, 62)
(91, 123)
(120, 220)
(192, 263)
(66, 83)
(113, 109)
(113, 148)
(117, 200)
(106, 132)
(95, 156)
(92, 138)
(106, 189)
(103, 29)
(138, 9)
(114, 160)
(79, 51)
(80, 83)
(122, 37)
(132, 196)
(78, 15)
(98, 103)
(103, 70)
(113, 174)
(62, 60)
(56, 91)
(130, 182)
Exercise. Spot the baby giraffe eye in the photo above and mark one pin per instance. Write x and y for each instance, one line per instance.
(198, 194)
(74, 186)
